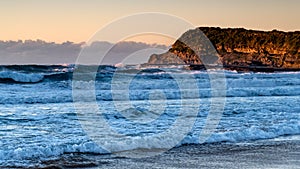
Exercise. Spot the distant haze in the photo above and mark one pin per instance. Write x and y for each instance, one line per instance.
(41, 52)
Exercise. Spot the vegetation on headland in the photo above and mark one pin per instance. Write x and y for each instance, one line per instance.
(235, 47)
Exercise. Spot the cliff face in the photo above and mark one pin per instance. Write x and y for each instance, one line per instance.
(193, 47)
(234, 47)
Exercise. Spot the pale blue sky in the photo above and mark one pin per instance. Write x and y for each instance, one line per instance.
(78, 20)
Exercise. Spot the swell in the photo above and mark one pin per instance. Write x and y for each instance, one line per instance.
(35, 68)
(46, 73)
(31, 73)
(42, 73)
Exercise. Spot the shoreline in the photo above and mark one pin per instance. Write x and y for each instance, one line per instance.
(230, 67)
(259, 154)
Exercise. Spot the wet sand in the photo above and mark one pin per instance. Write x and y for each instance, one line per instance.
(274, 154)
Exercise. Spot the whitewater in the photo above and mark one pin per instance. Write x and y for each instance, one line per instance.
(39, 122)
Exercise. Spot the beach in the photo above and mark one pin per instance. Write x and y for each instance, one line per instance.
(260, 154)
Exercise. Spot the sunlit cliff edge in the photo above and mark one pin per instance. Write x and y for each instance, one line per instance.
(234, 48)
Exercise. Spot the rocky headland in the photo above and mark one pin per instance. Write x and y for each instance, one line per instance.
(235, 49)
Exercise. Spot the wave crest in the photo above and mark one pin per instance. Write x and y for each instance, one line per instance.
(8, 76)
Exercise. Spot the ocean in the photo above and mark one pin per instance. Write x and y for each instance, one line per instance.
(47, 116)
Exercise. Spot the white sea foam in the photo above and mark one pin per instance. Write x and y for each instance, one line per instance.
(43, 152)
(258, 106)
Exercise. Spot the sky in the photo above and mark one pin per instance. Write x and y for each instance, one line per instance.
(77, 20)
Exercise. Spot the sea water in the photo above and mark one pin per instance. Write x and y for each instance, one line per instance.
(39, 122)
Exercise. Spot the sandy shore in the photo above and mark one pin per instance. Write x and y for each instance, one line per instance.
(270, 154)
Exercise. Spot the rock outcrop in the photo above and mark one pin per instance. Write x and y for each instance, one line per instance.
(233, 48)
